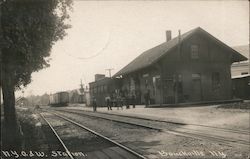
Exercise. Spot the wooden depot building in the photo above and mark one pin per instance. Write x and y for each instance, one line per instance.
(191, 67)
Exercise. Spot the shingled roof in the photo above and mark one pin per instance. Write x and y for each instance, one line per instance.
(152, 55)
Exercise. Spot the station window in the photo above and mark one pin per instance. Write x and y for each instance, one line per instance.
(196, 76)
(146, 83)
(105, 88)
(216, 80)
(194, 51)
(98, 89)
(101, 89)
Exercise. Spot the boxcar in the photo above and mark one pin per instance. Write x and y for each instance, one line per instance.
(59, 99)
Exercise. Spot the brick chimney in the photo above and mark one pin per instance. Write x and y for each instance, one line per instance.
(168, 35)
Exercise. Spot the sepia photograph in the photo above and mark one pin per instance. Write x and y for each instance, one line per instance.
(125, 79)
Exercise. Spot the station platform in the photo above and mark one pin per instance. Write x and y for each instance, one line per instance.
(203, 115)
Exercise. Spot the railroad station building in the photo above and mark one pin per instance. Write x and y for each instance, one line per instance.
(192, 67)
(102, 87)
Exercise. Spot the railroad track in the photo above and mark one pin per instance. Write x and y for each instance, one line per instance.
(179, 123)
(112, 149)
(185, 130)
(58, 137)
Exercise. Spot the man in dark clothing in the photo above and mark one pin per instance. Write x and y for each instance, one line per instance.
(127, 101)
(119, 102)
(133, 100)
(147, 98)
(94, 103)
(108, 102)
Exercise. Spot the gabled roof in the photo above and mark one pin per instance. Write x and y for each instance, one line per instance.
(151, 56)
(242, 49)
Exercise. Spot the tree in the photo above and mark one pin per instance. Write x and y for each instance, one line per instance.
(29, 28)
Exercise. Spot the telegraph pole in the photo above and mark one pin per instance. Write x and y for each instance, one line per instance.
(110, 69)
(81, 92)
(81, 87)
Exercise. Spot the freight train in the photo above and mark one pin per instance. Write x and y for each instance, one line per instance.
(59, 99)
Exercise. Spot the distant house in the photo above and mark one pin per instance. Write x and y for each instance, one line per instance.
(242, 67)
(241, 86)
(240, 74)
(75, 96)
(191, 67)
(79, 96)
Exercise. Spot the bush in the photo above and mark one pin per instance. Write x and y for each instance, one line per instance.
(32, 132)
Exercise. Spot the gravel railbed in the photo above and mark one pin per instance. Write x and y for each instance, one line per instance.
(207, 131)
(75, 138)
(124, 133)
(50, 138)
(153, 143)
(155, 124)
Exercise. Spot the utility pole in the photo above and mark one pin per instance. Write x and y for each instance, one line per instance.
(81, 88)
(110, 69)
(179, 44)
(81, 92)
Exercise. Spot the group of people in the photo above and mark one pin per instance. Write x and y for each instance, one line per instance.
(118, 101)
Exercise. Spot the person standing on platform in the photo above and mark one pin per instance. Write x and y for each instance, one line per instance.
(119, 102)
(122, 100)
(133, 100)
(147, 98)
(127, 101)
(94, 103)
(108, 102)
(115, 100)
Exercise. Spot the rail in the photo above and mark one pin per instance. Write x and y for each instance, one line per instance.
(58, 137)
(102, 136)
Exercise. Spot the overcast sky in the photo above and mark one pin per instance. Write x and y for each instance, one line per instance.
(109, 34)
